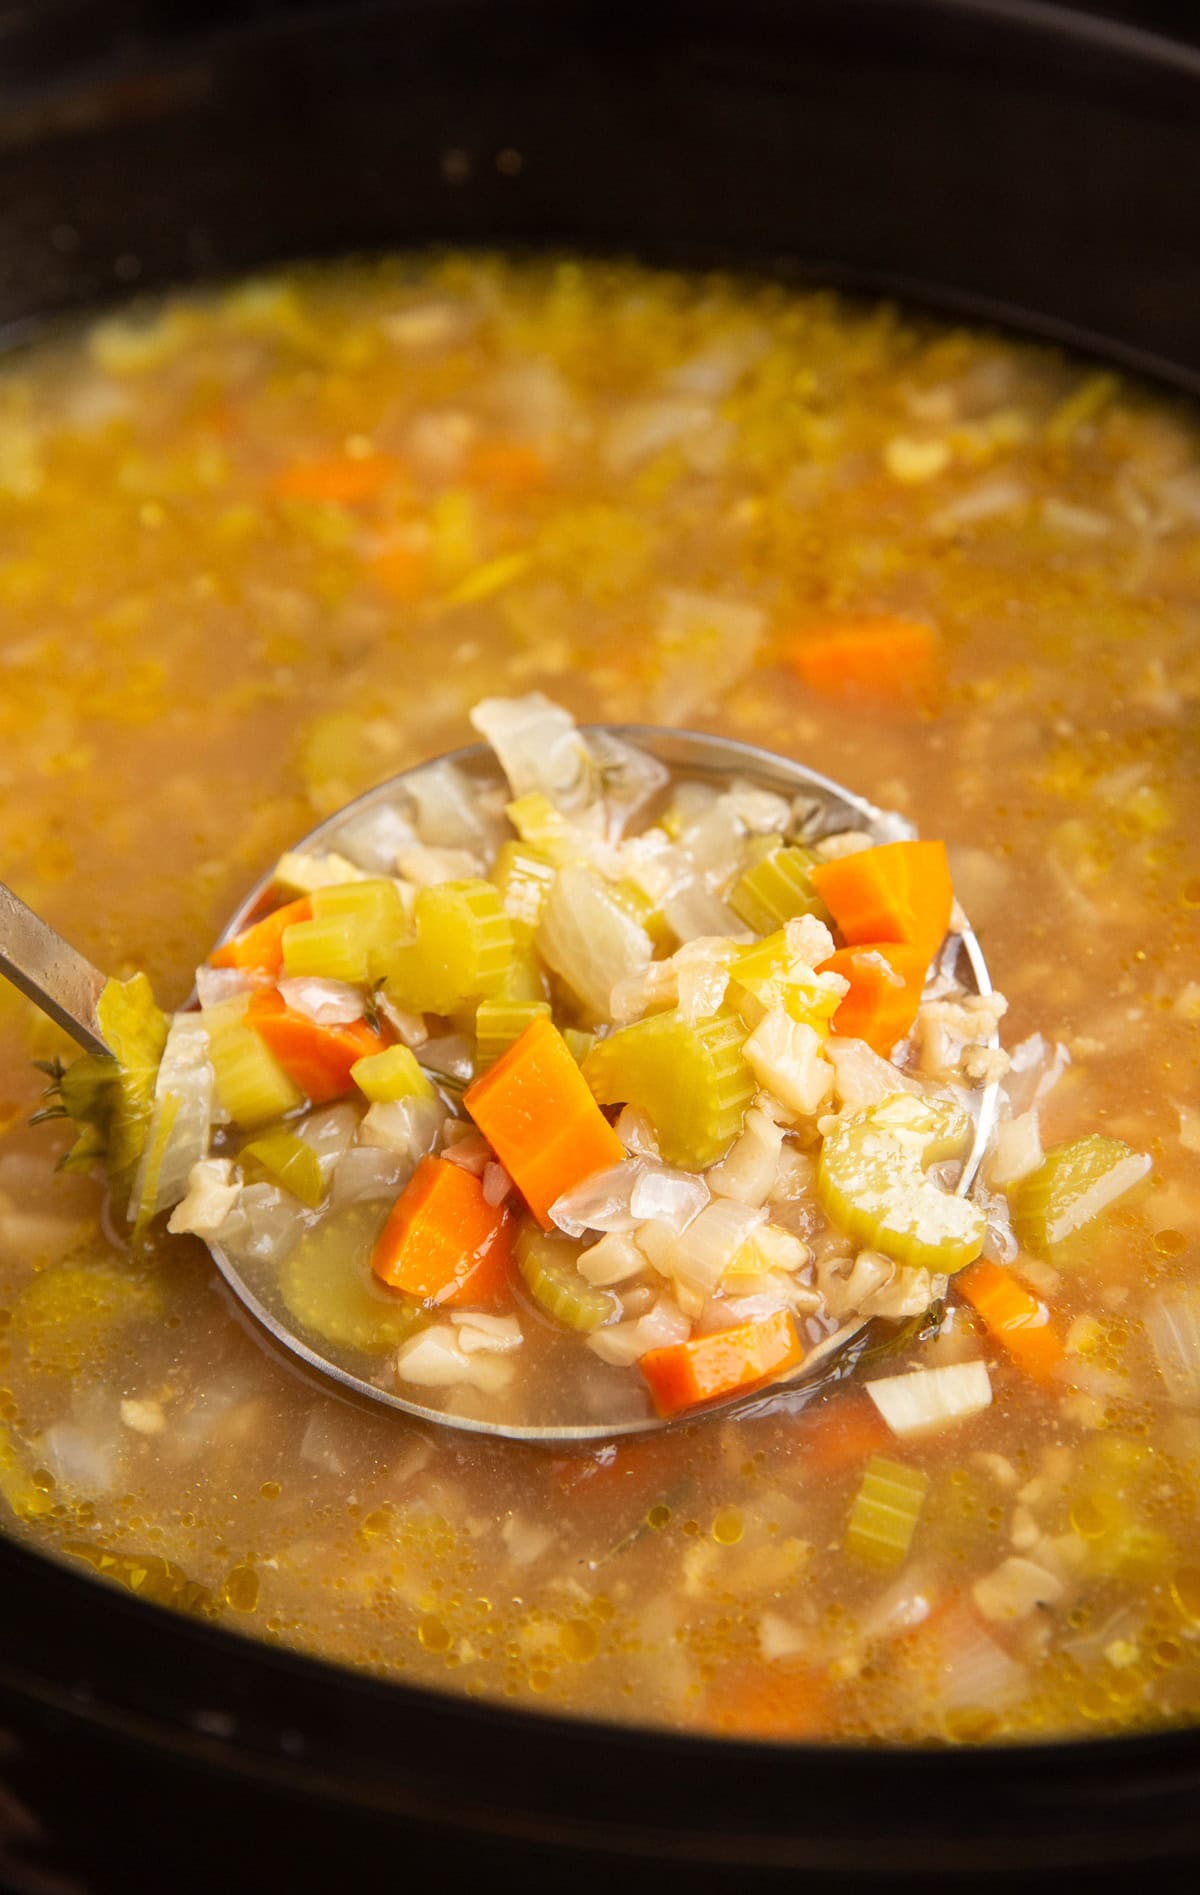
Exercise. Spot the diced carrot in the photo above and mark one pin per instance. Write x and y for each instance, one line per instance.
(786, 1699)
(259, 948)
(899, 892)
(630, 1472)
(537, 1112)
(318, 1058)
(343, 480)
(507, 467)
(876, 660)
(444, 1242)
(399, 567)
(1013, 1315)
(886, 979)
(684, 1374)
(844, 1432)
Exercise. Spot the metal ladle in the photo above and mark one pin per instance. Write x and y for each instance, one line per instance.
(67, 988)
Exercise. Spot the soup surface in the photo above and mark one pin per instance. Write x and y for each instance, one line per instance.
(262, 549)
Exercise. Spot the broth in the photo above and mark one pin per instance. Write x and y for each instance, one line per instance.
(261, 549)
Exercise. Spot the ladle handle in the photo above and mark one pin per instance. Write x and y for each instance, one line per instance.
(49, 972)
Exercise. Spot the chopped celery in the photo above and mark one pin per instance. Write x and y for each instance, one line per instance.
(768, 974)
(1072, 1186)
(885, 1512)
(547, 1266)
(393, 1074)
(579, 1044)
(524, 978)
(251, 1084)
(112, 1100)
(688, 1077)
(544, 828)
(645, 911)
(776, 889)
(588, 939)
(499, 1024)
(462, 945)
(333, 949)
(353, 925)
(872, 1182)
(289, 1161)
(524, 878)
(329, 1286)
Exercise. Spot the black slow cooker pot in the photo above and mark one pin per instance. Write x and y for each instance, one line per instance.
(1014, 161)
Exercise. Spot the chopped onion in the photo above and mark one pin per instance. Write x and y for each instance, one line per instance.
(427, 868)
(623, 1344)
(375, 838)
(435, 1358)
(1034, 1069)
(411, 1127)
(612, 1259)
(860, 1076)
(524, 1541)
(779, 1638)
(693, 911)
(84, 1460)
(451, 1053)
(497, 1185)
(643, 428)
(264, 1224)
(480, 1334)
(537, 745)
(588, 939)
(666, 1195)
(1016, 1149)
(703, 645)
(212, 1192)
(630, 777)
(469, 1149)
(748, 1170)
(927, 1399)
(328, 1002)
(330, 1133)
(216, 985)
(974, 1673)
(366, 1172)
(185, 1075)
(636, 1133)
(1173, 1325)
(449, 812)
(710, 1243)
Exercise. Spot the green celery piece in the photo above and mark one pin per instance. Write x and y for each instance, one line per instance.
(499, 1024)
(1073, 1184)
(546, 1262)
(250, 1083)
(543, 828)
(886, 1508)
(579, 1043)
(689, 1078)
(460, 951)
(872, 1182)
(289, 1161)
(335, 948)
(393, 1074)
(524, 878)
(777, 889)
(330, 1289)
(645, 912)
(112, 1100)
(374, 908)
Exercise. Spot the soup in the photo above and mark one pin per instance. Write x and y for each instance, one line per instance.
(265, 548)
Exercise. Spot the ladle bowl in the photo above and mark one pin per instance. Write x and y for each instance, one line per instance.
(67, 987)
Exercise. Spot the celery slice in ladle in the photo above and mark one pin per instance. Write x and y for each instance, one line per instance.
(78, 997)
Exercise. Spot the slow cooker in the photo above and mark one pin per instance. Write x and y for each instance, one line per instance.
(1017, 162)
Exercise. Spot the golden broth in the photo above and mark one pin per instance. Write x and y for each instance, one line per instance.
(261, 549)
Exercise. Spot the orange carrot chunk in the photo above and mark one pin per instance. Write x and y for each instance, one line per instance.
(886, 661)
(508, 467)
(843, 1433)
(899, 892)
(750, 1698)
(684, 1374)
(259, 948)
(318, 1058)
(1013, 1315)
(886, 979)
(344, 480)
(444, 1242)
(537, 1112)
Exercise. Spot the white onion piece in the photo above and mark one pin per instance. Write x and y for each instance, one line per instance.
(669, 1196)
(704, 1250)
(1173, 1325)
(928, 1399)
(469, 1149)
(213, 1190)
(185, 1074)
(537, 746)
(974, 1672)
(375, 838)
(693, 911)
(369, 1171)
(216, 985)
(630, 778)
(601, 1202)
(612, 1259)
(330, 1133)
(411, 1128)
(435, 1358)
(451, 1054)
(497, 1185)
(328, 1002)
(1035, 1068)
(449, 814)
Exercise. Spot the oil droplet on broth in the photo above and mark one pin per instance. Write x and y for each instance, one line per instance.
(727, 1528)
(434, 1634)
(241, 1589)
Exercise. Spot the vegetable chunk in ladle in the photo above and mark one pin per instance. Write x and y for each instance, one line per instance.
(523, 1093)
